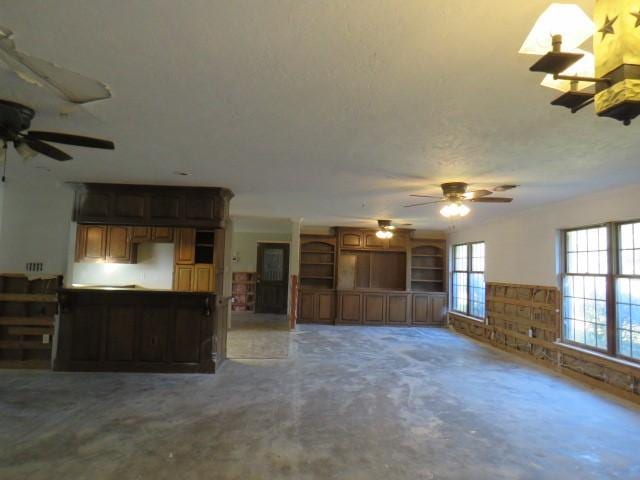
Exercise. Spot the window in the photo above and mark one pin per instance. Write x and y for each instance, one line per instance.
(601, 285)
(585, 287)
(627, 289)
(468, 279)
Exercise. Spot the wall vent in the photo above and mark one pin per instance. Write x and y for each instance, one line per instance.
(34, 267)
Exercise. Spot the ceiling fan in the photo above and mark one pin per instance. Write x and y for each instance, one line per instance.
(386, 228)
(15, 120)
(66, 84)
(455, 194)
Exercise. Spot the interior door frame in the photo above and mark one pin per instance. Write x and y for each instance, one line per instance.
(287, 258)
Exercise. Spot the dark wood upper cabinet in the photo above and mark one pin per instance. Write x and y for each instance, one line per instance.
(351, 240)
(372, 241)
(366, 239)
(162, 234)
(116, 204)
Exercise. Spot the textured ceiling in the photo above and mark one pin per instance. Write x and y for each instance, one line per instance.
(329, 110)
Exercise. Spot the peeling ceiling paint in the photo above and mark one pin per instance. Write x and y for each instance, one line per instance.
(329, 110)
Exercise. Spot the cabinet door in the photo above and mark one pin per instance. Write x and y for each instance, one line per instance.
(421, 311)
(351, 239)
(372, 241)
(438, 309)
(203, 278)
(140, 234)
(183, 278)
(162, 234)
(399, 241)
(118, 245)
(398, 309)
(350, 305)
(307, 306)
(374, 308)
(325, 311)
(185, 246)
(91, 243)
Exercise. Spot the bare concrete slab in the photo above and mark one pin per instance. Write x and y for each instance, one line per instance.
(348, 403)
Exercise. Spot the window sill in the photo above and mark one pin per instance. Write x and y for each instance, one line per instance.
(601, 358)
(468, 317)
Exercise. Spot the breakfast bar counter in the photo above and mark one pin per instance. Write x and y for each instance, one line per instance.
(138, 330)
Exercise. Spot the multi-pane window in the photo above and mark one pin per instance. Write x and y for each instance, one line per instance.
(628, 291)
(601, 285)
(468, 292)
(585, 287)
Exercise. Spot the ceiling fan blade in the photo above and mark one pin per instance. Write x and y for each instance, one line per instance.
(477, 194)
(425, 203)
(504, 188)
(425, 196)
(46, 149)
(492, 200)
(69, 139)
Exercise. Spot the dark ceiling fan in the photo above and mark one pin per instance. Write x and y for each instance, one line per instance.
(457, 192)
(15, 120)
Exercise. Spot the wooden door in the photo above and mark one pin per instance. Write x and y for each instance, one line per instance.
(185, 251)
(371, 240)
(307, 306)
(325, 311)
(183, 280)
(350, 240)
(91, 243)
(421, 312)
(374, 308)
(118, 245)
(438, 307)
(272, 279)
(203, 278)
(140, 234)
(398, 309)
(350, 308)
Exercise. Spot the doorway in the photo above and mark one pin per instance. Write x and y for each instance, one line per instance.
(272, 279)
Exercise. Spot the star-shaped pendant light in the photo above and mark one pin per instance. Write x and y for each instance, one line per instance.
(608, 26)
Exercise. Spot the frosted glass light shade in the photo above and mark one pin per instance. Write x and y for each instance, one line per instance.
(585, 67)
(384, 234)
(455, 210)
(567, 20)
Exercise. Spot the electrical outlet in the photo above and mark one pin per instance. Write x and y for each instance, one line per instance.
(45, 338)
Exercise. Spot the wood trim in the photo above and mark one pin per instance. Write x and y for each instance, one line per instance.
(28, 298)
(24, 321)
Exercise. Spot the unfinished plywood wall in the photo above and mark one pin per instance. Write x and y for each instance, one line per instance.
(526, 320)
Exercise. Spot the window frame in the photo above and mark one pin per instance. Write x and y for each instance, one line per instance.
(611, 279)
(468, 272)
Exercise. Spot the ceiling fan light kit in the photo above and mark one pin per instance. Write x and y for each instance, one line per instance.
(454, 194)
(385, 229)
(614, 67)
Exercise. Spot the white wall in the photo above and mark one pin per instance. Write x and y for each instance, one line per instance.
(35, 211)
(154, 269)
(524, 248)
(245, 248)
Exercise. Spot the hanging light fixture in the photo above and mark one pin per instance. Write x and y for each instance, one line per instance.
(614, 67)
(455, 209)
(385, 229)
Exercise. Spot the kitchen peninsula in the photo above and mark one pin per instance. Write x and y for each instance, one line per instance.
(108, 325)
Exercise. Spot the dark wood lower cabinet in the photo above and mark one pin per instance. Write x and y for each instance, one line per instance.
(429, 309)
(391, 308)
(137, 331)
(317, 306)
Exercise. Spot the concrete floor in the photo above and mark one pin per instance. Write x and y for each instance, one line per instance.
(258, 336)
(348, 403)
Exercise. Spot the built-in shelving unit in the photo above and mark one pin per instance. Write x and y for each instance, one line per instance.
(428, 268)
(317, 265)
(243, 289)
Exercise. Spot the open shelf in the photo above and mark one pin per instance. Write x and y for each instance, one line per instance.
(317, 264)
(428, 268)
(243, 290)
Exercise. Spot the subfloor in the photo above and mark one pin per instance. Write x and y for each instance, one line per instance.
(258, 336)
(348, 403)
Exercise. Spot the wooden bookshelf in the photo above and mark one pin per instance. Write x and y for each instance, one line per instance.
(428, 272)
(317, 264)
